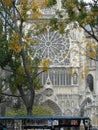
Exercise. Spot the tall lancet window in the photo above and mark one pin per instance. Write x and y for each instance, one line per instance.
(89, 82)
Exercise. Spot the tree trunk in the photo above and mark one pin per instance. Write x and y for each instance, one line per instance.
(27, 98)
(29, 111)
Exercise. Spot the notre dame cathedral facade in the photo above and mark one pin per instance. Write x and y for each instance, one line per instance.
(65, 90)
(68, 88)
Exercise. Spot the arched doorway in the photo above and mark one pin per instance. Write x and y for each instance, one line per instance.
(56, 109)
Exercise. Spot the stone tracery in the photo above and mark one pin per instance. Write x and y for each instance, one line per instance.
(53, 46)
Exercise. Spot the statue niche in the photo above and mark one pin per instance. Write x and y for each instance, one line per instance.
(89, 82)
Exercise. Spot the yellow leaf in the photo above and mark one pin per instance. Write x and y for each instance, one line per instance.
(92, 54)
(45, 64)
(14, 44)
(8, 2)
(82, 75)
(70, 71)
(21, 70)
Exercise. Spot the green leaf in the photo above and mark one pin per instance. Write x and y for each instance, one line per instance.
(51, 3)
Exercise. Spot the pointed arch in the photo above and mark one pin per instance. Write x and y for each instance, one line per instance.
(89, 82)
(68, 112)
(56, 109)
(84, 103)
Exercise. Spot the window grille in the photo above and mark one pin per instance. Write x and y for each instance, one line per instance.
(59, 77)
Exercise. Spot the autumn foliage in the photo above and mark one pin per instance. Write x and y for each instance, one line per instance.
(19, 53)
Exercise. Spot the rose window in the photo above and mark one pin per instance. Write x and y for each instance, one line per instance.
(53, 46)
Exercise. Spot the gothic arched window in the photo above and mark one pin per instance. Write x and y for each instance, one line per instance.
(89, 82)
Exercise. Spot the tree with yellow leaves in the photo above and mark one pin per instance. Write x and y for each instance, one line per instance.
(81, 15)
(86, 14)
(15, 16)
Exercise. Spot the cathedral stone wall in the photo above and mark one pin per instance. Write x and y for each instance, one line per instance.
(68, 88)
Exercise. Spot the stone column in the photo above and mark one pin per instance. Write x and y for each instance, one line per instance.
(96, 91)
